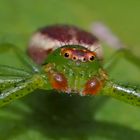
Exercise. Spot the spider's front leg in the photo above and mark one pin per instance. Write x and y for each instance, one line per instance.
(106, 35)
(14, 85)
(127, 94)
(14, 82)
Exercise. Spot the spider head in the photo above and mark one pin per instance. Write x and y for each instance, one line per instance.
(77, 54)
(71, 66)
(72, 54)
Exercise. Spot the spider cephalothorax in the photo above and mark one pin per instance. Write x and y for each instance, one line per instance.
(69, 74)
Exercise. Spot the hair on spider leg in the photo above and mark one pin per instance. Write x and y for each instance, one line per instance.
(21, 88)
(10, 82)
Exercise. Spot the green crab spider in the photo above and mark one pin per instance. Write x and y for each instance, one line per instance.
(66, 59)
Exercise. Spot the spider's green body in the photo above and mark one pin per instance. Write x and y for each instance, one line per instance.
(76, 73)
(69, 68)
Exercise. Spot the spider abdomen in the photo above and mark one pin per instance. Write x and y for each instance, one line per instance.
(47, 39)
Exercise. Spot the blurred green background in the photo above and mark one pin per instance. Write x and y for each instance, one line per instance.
(54, 116)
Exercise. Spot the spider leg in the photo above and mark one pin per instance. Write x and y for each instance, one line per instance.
(21, 55)
(14, 72)
(19, 88)
(101, 31)
(9, 82)
(9, 76)
(127, 93)
(122, 53)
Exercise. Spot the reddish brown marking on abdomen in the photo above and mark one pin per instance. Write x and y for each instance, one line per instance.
(93, 86)
(65, 33)
(58, 81)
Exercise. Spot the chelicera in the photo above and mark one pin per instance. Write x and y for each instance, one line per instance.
(66, 59)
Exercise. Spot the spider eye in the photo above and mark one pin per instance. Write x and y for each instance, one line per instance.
(66, 55)
(84, 59)
(91, 58)
(74, 58)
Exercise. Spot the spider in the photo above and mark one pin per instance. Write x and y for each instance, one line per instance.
(66, 59)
